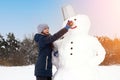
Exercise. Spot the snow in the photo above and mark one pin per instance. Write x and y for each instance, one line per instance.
(17, 73)
(108, 73)
(27, 73)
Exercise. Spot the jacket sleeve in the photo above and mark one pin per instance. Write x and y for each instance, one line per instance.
(56, 36)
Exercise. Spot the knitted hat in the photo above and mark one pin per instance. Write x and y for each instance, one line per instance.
(41, 27)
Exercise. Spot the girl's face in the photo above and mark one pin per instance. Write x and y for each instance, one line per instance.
(46, 31)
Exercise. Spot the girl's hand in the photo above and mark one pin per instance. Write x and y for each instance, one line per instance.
(70, 23)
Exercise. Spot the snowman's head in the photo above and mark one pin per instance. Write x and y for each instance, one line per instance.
(81, 24)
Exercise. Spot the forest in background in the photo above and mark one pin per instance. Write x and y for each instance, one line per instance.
(112, 48)
(14, 52)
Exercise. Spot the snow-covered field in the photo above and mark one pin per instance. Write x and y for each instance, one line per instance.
(27, 73)
(108, 72)
(17, 73)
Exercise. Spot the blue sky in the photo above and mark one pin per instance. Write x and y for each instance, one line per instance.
(22, 16)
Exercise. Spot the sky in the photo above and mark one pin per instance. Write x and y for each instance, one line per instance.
(21, 17)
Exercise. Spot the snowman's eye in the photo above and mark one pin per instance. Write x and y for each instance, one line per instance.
(75, 19)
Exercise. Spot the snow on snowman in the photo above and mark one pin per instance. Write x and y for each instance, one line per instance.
(76, 54)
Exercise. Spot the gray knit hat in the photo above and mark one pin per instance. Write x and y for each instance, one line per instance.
(41, 27)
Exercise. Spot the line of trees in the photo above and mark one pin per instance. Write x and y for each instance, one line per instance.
(17, 53)
(112, 48)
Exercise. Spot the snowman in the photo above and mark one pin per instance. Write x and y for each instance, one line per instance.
(76, 54)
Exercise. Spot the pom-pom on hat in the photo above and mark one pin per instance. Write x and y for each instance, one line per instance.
(41, 27)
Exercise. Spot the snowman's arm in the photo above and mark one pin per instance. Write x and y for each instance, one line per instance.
(98, 52)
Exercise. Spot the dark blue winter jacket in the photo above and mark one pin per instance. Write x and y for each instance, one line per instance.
(43, 66)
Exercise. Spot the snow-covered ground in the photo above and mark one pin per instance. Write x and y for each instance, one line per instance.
(108, 72)
(27, 73)
(17, 73)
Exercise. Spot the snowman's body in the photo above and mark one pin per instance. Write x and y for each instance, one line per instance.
(79, 53)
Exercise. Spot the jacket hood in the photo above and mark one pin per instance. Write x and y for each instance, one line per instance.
(37, 37)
